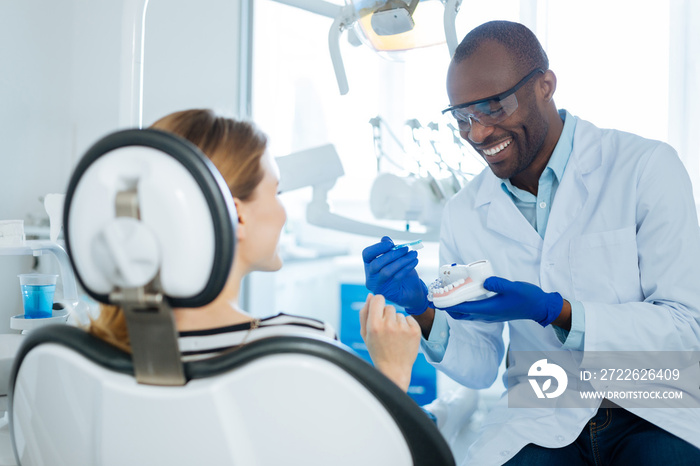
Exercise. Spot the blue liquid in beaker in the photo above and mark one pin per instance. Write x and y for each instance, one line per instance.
(38, 301)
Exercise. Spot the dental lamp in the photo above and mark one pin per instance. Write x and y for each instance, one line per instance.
(391, 197)
(386, 26)
(392, 26)
(394, 17)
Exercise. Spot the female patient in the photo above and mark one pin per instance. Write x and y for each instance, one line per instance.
(238, 150)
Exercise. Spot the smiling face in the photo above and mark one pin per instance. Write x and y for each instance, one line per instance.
(518, 146)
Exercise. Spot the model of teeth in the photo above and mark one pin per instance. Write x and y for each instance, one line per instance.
(497, 149)
(459, 283)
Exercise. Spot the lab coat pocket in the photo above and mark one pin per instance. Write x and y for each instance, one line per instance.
(605, 266)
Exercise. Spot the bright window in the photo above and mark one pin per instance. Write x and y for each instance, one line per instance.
(611, 59)
(297, 103)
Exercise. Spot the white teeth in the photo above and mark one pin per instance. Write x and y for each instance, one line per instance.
(497, 149)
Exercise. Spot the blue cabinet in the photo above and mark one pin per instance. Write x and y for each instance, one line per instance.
(423, 388)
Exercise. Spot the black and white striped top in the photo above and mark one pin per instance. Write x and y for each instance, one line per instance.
(200, 344)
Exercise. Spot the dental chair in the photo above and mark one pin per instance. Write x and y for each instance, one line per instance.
(149, 226)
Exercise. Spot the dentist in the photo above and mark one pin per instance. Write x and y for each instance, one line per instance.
(594, 240)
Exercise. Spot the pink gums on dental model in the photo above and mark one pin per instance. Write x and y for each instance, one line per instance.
(460, 283)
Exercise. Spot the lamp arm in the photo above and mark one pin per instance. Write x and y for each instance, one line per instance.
(337, 59)
(344, 18)
(449, 19)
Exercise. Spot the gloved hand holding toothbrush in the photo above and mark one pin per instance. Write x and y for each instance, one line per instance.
(392, 273)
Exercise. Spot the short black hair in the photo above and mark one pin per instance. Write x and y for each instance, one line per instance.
(521, 42)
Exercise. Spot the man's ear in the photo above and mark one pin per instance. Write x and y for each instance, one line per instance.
(547, 85)
(242, 212)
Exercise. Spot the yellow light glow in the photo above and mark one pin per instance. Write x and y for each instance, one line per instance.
(428, 29)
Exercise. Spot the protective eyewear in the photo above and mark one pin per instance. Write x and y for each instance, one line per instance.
(491, 110)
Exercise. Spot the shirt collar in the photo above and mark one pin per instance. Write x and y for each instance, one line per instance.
(563, 149)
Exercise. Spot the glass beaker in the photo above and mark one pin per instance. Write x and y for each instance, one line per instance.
(37, 294)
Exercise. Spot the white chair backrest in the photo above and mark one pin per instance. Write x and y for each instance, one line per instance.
(150, 224)
(284, 400)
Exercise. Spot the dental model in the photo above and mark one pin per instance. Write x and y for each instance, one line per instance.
(459, 283)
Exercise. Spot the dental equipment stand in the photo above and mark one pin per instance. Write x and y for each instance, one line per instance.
(10, 343)
(320, 167)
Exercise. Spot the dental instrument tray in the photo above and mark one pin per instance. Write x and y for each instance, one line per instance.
(458, 283)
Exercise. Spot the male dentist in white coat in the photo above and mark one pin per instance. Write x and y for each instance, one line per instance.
(594, 240)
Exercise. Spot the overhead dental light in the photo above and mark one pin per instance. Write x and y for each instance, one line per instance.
(398, 25)
(394, 17)
(386, 26)
(391, 26)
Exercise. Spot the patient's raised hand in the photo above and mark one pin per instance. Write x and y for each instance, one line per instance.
(391, 338)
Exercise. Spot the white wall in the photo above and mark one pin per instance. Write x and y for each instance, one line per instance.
(60, 71)
(191, 57)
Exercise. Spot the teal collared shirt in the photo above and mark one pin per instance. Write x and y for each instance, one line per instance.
(536, 210)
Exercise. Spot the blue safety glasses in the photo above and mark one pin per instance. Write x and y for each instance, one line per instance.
(491, 110)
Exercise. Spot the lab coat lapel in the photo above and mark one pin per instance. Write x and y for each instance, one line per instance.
(574, 189)
(568, 202)
(504, 217)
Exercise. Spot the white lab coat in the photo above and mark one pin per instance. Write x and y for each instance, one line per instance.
(622, 238)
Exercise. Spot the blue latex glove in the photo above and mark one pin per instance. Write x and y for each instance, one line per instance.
(514, 301)
(393, 275)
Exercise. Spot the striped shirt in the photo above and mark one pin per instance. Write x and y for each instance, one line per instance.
(201, 344)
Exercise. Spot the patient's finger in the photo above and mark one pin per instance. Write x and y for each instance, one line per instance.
(363, 315)
(376, 312)
(401, 319)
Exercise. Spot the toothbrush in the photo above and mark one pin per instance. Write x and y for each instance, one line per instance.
(413, 245)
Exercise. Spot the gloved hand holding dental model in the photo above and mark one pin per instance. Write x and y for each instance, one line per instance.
(458, 283)
(513, 301)
(391, 272)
